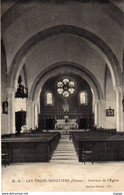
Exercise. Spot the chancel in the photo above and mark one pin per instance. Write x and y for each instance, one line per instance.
(62, 86)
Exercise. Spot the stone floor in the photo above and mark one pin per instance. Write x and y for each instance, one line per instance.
(64, 174)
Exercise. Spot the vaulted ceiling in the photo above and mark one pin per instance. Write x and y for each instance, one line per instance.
(42, 33)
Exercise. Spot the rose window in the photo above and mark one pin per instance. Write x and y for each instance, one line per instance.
(66, 87)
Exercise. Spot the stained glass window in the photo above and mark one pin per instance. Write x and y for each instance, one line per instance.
(60, 90)
(83, 98)
(66, 87)
(49, 98)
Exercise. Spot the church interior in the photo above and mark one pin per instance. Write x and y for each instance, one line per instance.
(62, 89)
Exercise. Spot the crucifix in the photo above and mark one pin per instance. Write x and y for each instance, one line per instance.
(66, 106)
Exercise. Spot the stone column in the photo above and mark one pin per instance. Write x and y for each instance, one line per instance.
(122, 87)
(28, 114)
(99, 114)
(38, 108)
(33, 115)
(103, 113)
(96, 114)
(36, 115)
(11, 110)
(119, 111)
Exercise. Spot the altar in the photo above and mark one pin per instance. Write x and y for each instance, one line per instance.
(66, 124)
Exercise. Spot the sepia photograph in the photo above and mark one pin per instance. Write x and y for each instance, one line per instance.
(62, 96)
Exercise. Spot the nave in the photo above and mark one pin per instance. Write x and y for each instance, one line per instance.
(39, 146)
(63, 173)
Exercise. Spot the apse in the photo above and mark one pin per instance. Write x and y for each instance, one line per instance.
(66, 103)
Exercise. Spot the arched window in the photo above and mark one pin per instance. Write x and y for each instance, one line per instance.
(49, 98)
(83, 98)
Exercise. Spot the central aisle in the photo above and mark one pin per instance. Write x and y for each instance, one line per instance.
(65, 152)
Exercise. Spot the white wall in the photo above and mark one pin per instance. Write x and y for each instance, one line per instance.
(4, 95)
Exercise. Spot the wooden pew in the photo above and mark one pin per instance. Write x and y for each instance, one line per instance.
(106, 147)
(32, 149)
